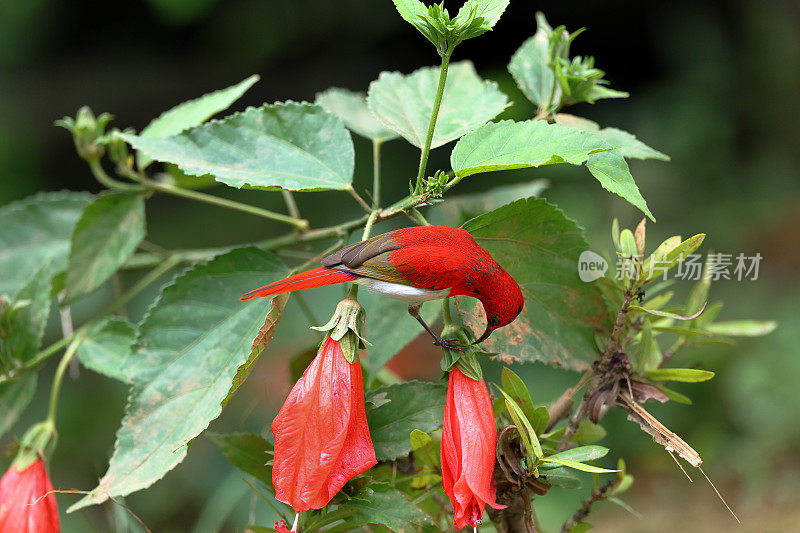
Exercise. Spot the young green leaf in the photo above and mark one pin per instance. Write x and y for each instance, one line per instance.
(23, 320)
(675, 396)
(412, 405)
(36, 231)
(425, 449)
(579, 454)
(293, 146)
(404, 102)
(667, 256)
(665, 314)
(508, 145)
(352, 108)
(248, 452)
(14, 398)
(108, 232)
(106, 349)
(687, 375)
(415, 13)
(578, 466)
(562, 477)
(648, 353)
(488, 11)
(588, 432)
(529, 67)
(192, 113)
(190, 345)
(540, 246)
(526, 433)
(743, 328)
(516, 388)
(390, 328)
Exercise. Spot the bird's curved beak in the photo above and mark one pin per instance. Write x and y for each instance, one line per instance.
(484, 336)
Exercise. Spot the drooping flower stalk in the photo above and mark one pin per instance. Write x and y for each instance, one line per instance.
(321, 435)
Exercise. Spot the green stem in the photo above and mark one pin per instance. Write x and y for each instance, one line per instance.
(298, 223)
(423, 161)
(291, 204)
(364, 205)
(376, 174)
(416, 215)
(142, 284)
(59, 377)
(368, 226)
(106, 180)
(446, 316)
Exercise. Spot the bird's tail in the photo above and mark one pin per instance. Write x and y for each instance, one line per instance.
(316, 277)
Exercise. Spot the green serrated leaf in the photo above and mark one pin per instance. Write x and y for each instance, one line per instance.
(539, 246)
(292, 146)
(508, 145)
(686, 375)
(14, 398)
(23, 320)
(192, 113)
(415, 13)
(629, 146)
(248, 452)
(106, 348)
(390, 328)
(36, 231)
(529, 68)
(489, 11)
(404, 103)
(743, 328)
(381, 503)
(190, 345)
(352, 108)
(411, 405)
(107, 234)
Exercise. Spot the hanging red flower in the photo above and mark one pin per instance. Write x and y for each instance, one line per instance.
(27, 501)
(321, 435)
(469, 439)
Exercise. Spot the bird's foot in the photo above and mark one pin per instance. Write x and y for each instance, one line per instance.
(450, 344)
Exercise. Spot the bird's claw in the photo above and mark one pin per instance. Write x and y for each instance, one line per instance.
(450, 344)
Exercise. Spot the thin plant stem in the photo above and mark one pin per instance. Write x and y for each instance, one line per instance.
(376, 174)
(298, 223)
(142, 284)
(364, 205)
(291, 204)
(423, 160)
(59, 377)
(106, 180)
(417, 216)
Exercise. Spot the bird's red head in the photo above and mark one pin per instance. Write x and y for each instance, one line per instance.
(502, 300)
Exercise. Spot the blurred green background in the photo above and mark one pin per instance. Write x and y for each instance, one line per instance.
(713, 84)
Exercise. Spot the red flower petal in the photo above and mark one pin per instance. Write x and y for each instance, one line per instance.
(321, 434)
(469, 438)
(27, 501)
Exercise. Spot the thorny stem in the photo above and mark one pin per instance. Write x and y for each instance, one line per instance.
(423, 161)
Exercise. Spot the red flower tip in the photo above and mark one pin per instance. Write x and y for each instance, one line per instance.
(469, 439)
(321, 435)
(27, 501)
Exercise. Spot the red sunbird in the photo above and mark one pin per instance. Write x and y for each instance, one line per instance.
(416, 265)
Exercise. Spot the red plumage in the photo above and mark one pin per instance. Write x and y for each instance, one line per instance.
(316, 277)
